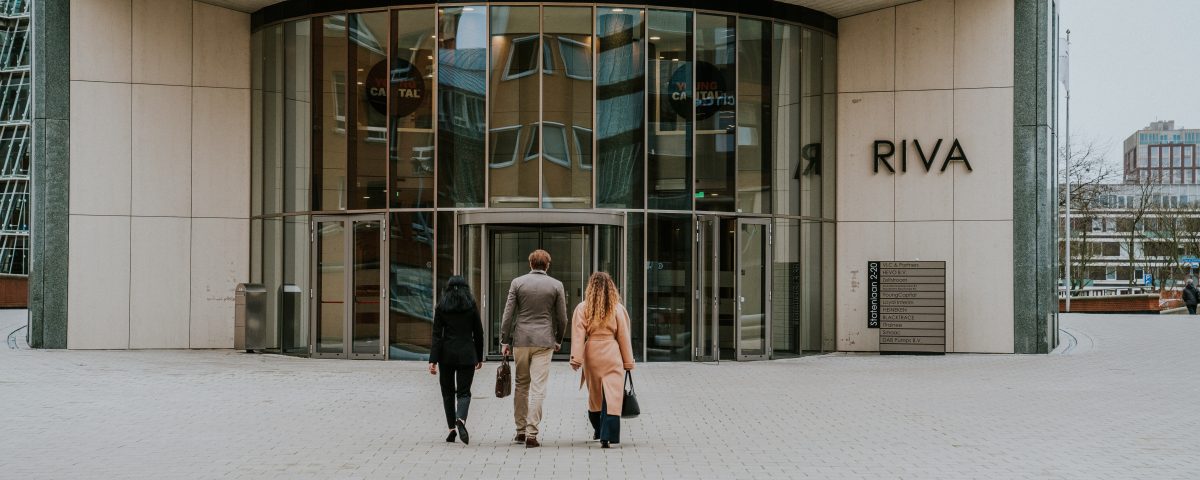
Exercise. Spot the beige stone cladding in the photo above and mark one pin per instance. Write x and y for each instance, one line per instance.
(160, 141)
(920, 72)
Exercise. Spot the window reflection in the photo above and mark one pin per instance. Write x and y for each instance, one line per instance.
(567, 108)
(515, 90)
(620, 108)
(297, 122)
(293, 295)
(329, 113)
(462, 74)
(811, 123)
(715, 104)
(669, 286)
(786, 81)
(268, 122)
(368, 150)
(741, 119)
(754, 116)
(411, 287)
(411, 109)
(670, 115)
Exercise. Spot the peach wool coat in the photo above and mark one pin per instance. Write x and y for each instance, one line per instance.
(604, 356)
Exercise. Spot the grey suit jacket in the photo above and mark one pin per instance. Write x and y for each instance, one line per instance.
(536, 312)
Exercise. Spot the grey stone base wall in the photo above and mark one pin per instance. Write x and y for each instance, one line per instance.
(1035, 185)
(50, 172)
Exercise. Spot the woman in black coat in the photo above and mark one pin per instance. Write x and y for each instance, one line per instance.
(458, 350)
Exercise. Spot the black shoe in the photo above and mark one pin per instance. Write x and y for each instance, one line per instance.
(451, 436)
(462, 432)
(520, 438)
(531, 442)
(604, 444)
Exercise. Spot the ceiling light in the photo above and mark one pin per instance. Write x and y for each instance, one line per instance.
(618, 10)
(655, 38)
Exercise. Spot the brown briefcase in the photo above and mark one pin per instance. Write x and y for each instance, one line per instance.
(503, 378)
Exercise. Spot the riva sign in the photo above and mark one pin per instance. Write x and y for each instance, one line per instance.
(886, 149)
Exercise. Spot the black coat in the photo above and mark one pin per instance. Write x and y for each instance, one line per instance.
(457, 337)
(1191, 295)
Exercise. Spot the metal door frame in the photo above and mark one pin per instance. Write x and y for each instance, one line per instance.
(348, 222)
(538, 221)
(740, 296)
(712, 232)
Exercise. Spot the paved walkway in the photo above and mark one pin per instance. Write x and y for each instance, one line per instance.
(1123, 403)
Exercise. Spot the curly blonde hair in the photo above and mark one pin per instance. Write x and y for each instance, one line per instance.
(600, 303)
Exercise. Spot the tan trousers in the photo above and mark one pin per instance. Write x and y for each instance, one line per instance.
(533, 370)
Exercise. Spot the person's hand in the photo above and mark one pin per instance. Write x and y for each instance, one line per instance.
(575, 366)
(433, 369)
(557, 347)
(505, 350)
(478, 365)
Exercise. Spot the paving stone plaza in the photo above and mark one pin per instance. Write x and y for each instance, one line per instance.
(1118, 400)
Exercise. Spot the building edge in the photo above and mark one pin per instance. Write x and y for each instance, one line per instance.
(1035, 189)
(50, 63)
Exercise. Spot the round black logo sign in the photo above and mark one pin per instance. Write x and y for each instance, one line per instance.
(711, 92)
(408, 88)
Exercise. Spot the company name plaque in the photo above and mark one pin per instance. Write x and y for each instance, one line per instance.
(906, 301)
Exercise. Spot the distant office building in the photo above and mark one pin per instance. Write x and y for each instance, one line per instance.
(1163, 154)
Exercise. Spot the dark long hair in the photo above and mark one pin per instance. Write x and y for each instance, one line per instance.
(457, 296)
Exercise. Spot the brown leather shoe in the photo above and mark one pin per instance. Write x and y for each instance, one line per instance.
(520, 438)
(531, 442)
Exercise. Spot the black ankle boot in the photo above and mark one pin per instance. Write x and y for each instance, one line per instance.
(462, 432)
(450, 438)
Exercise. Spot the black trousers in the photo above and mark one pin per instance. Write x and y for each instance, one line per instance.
(604, 426)
(456, 390)
(1191, 309)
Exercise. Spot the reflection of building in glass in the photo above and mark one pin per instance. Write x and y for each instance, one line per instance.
(510, 128)
(715, 161)
(14, 137)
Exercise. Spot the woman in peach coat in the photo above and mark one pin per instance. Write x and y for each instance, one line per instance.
(600, 345)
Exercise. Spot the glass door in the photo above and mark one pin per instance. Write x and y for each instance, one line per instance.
(348, 260)
(707, 293)
(572, 260)
(329, 283)
(753, 290)
(508, 258)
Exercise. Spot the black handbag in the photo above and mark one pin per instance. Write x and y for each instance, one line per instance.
(503, 378)
(629, 407)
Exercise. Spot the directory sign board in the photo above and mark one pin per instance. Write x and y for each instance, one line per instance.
(906, 301)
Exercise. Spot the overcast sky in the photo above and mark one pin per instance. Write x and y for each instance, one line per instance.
(1132, 62)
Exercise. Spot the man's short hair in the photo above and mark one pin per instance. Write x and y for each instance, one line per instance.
(539, 259)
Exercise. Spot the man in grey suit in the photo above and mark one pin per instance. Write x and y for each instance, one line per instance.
(535, 320)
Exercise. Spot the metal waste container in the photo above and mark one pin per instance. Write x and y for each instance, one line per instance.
(291, 303)
(250, 317)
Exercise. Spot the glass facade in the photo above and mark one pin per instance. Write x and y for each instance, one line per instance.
(689, 154)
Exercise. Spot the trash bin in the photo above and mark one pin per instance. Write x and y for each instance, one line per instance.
(250, 317)
(291, 304)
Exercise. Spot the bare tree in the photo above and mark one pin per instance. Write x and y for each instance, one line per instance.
(1168, 239)
(1092, 178)
(1178, 233)
(1133, 220)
